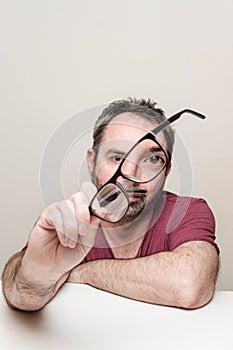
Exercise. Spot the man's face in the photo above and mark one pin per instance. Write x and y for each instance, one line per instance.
(119, 136)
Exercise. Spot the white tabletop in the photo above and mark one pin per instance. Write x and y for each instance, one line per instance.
(83, 318)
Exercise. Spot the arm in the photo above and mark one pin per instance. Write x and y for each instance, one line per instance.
(183, 278)
(59, 241)
(25, 293)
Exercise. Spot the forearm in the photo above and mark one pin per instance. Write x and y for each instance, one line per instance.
(132, 278)
(24, 293)
(128, 278)
(166, 278)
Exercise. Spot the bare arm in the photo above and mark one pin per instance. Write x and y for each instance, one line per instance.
(59, 241)
(24, 292)
(183, 278)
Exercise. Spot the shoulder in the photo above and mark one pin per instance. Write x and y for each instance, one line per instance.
(190, 218)
(178, 211)
(182, 208)
(174, 198)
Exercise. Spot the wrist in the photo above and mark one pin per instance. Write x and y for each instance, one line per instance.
(38, 274)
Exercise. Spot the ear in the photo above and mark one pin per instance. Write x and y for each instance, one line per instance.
(90, 160)
(168, 169)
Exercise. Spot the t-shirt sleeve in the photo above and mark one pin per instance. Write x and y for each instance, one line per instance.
(198, 223)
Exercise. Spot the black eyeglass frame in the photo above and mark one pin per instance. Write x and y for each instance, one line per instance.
(149, 136)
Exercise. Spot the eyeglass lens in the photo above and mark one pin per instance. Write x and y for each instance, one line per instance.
(145, 161)
(110, 203)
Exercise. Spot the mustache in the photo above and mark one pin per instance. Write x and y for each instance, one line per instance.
(128, 188)
(109, 196)
(133, 190)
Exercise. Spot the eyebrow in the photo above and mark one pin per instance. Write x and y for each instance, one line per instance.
(115, 151)
(122, 153)
(155, 149)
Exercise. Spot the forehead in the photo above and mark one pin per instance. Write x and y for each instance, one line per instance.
(130, 127)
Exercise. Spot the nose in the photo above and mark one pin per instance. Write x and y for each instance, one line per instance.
(131, 170)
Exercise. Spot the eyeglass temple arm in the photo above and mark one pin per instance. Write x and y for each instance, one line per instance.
(173, 118)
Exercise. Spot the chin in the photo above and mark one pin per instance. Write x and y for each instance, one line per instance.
(133, 214)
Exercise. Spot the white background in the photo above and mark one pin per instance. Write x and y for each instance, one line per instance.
(61, 57)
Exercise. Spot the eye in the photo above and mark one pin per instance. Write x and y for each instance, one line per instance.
(116, 159)
(155, 159)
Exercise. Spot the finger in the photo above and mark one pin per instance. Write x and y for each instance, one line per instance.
(69, 222)
(51, 219)
(90, 191)
(82, 213)
(47, 217)
(87, 227)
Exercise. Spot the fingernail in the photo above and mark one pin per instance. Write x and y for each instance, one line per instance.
(72, 244)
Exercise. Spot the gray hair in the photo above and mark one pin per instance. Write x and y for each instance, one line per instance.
(142, 107)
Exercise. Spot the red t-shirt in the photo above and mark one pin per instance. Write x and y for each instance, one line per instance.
(182, 219)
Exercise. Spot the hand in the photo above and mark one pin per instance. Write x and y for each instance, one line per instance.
(62, 237)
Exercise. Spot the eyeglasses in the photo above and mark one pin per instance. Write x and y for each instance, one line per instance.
(146, 159)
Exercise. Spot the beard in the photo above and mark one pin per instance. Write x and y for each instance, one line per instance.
(140, 206)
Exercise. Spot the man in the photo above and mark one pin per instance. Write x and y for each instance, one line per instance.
(150, 254)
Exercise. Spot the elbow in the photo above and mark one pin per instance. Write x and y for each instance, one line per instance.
(194, 295)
